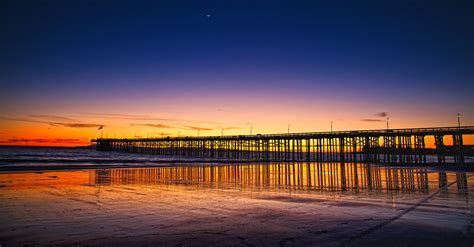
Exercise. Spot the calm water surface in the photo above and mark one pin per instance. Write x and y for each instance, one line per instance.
(301, 204)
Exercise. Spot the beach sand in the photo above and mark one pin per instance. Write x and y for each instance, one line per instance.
(91, 208)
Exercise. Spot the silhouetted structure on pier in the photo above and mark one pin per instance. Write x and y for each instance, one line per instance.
(382, 146)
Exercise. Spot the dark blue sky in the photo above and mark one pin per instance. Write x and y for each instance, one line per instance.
(57, 50)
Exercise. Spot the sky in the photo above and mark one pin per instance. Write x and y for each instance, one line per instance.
(168, 68)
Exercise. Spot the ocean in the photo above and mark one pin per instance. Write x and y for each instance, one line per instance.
(57, 157)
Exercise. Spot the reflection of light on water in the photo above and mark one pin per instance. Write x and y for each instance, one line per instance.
(288, 176)
(394, 204)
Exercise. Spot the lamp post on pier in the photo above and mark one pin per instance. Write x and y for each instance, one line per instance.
(459, 120)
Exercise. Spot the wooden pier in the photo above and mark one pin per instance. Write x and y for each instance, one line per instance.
(404, 146)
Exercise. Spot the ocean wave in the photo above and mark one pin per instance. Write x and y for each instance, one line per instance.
(104, 161)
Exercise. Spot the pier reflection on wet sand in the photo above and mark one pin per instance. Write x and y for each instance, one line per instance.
(301, 176)
(280, 204)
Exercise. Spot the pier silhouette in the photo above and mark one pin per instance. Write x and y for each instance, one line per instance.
(403, 146)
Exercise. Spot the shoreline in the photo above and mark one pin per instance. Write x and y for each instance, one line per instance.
(179, 163)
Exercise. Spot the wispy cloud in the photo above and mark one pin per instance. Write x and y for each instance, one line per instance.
(125, 116)
(77, 125)
(101, 114)
(165, 134)
(23, 120)
(160, 126)
(154, 134)
(229, 128)
(223, 110)
(371, 120)
(53, 118)
(55, 124)
(188, 127)
(381, 114)
(42, 140)
(141, 117)
(197, 128)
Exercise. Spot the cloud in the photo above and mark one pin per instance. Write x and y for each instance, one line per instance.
(23, 120)
(160, 126)
(164, 126)
(56, 124)
(381, 114)
(42, 140)
(77, 125)
(165, 134)
(229, 128)
(371, 120)
(197, 128)
(53, 118)
(141, 117)
(100, 114)
(157, 134)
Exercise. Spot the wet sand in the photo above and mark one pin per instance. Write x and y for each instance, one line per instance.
(246, 205)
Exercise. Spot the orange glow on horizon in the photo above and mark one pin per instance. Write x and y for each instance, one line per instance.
(205, 119)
